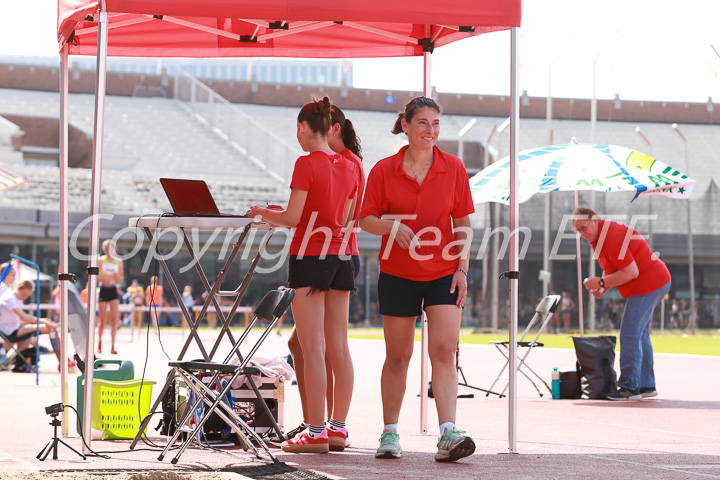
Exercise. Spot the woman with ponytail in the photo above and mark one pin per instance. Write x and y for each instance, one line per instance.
(323, 190)
(419, 201)
(342, 139)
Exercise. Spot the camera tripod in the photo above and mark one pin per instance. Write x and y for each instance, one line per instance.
(53, 443)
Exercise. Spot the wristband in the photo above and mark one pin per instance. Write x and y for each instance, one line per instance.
(462, 271)
(601, 283)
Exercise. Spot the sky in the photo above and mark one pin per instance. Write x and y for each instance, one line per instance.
(639, 49)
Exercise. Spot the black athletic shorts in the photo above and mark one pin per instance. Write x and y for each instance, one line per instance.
(107, 293)
(15, 338)
(329, 273)
(400, 297)
(356, 266)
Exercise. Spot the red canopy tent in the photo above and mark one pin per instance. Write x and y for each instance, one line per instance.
(269, 28)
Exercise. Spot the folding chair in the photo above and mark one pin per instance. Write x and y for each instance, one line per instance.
(10, 346)
(543, 313)
(270, 308)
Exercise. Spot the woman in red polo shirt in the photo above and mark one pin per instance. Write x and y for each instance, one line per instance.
(323, 189)
(419, 201)
(643, 280)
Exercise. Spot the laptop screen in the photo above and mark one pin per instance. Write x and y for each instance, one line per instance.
(189, 197)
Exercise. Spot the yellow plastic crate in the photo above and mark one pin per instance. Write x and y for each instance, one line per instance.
(119, 407)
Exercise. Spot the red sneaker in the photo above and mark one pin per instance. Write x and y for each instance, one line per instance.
(113, 351)
(337, 439)
(99, 347)
(304, 443)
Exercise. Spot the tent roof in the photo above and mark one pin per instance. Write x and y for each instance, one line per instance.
(280, 28)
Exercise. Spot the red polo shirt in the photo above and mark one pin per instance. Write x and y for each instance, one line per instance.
(444, 195)
(361, 188)
(330, 180)
(653, 271)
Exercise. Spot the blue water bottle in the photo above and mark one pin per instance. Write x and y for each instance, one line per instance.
(555, 384)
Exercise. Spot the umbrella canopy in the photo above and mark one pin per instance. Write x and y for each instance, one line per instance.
(605, 168)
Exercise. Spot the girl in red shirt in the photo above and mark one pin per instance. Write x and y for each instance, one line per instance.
(419, 201)
(342, 139)
(323, 190)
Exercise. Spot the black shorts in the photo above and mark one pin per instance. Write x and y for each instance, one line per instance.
(15, 338)
(107, 294)
(356, 266)
(400, 297)
(329, 273)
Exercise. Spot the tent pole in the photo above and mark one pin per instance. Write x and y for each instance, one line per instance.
(514, 217)
(579, 275)
(427, 91)
(63, 233)
(95, 221)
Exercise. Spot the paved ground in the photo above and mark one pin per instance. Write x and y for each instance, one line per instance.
(675, 436)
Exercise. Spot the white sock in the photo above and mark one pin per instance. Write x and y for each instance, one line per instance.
(336, 425)
(394, 426)
(316, 430)
(445, 426)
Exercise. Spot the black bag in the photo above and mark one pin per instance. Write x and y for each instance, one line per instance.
(28, 354)
(569, 384)
(167, 424)
(595, 360)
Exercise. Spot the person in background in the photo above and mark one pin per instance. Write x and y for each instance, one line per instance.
(675, 314)
(154, 298)
(419, 201)
(323, 191)
(566, 307)
(111, 273)
(211, 313)
(21, 327)
(341, 139)
(137, 300)
(684, 314)
(189, 302)
(10, 275)
(643, 280)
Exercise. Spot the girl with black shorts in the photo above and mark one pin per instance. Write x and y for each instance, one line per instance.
(342, 139)
(323, 190)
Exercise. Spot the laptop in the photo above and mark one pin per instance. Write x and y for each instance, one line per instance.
(192, 198)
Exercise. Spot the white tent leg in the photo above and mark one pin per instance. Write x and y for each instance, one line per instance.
(427, 91)
(579, 275)
(95, 221)
(63, 267)
(514, 216)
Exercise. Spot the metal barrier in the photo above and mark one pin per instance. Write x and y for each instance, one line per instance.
(248, 137)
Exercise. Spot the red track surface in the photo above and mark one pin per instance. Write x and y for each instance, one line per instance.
(674, 436)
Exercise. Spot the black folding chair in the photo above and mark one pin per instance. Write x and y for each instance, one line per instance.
(543, 312)
(11, 348)
(270, 308)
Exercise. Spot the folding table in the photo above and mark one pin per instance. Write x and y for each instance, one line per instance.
(183, 225)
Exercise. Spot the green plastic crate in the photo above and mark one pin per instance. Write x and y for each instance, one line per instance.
(119, 407)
